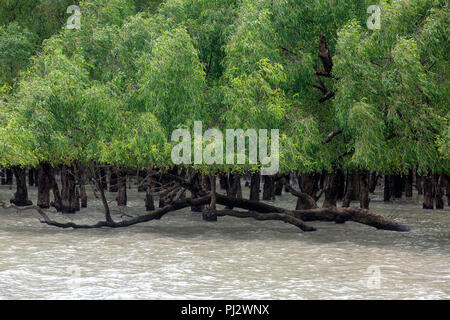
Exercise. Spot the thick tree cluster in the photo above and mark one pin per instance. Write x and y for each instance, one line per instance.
(355, 107)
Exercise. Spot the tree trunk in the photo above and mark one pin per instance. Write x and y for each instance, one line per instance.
(81, 189)
(122, 188)
(8, 177)
(330, 189)
(237, 180)
(223, 181)
(44, 185)
(149, 201)
(308, 183)
(103, 175)
(428, 192)
(113, 185)
(31, 177)
(21, 195)
(76, 199)
(447, 189)
(68, 192)
(233, 188)
(418, 183)
(409, 185)
(255, 186)
(268, 189)
(373, 179)
(364, 189)
(341, 185)
(397, 186)
(83, 196)
(352, 187)
(196, 184)
(209, 213)
(99, 186)
(278, 187)
(36, 183)
(141, 181)
(387, 188)
(438, 193)
(57, 201)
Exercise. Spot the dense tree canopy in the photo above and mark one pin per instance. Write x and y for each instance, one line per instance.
(342, 96)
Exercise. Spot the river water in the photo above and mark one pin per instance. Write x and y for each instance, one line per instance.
(182, 257)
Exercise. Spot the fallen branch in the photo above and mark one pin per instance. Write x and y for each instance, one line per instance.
(341, 215)
(338, 215)
(288, 218)
(257, 210)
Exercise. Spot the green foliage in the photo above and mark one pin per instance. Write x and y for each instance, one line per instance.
(391, 72)
(16, 47)
(113, 91)
(171, 80)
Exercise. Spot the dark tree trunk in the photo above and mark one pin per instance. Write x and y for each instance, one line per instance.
(387, 188)
(36, 182)
(255, 186)
(352, 187)
(122, 186)
(68, 192)
(57, 201)
(76, 203)
(103, 175)
(113, 185)
(364, 189)
(8, 177)
(237, 183)
(31, 177)
(331, 190)
(438, 193)
(322, 178)
(99, 187)
(196, 183)
(44, 185)
(223, 181)
(149, 201)
(83, 195)
(447, 189)
(81, 189)
(209, 212)
(205, 183)
(355, 183)
(308, 183)
(228, 178)
(21, 195)
(234, 189)
(428, 192)
(373, 179)
(397, 186)
(278, 187)
(268, 188)
(141, 181)
(418, 182)
(341, 185)
(409, 185)
(162, 202)
(289, 178)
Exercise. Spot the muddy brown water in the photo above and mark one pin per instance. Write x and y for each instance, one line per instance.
(182, 257)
